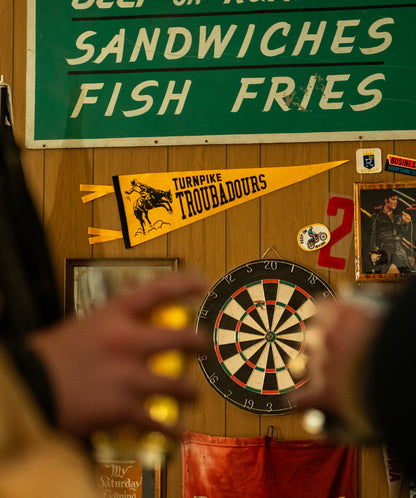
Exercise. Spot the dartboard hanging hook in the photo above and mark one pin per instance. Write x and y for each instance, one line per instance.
(269, 249)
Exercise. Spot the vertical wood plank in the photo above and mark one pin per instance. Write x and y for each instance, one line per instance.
(32, 160)
(286, 211)
(404, 148)
(6, 40)
(66, 218)
(203, 243)
(201, 247)
(283, 214)
(372, 483)
(243, 245)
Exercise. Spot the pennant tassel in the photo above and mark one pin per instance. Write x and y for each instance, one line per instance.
(103, 235)
(97, 191)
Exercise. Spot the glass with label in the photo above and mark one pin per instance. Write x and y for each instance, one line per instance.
(126, 443)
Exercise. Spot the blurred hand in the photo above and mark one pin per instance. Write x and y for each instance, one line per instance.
(98, 365)
(337, 344)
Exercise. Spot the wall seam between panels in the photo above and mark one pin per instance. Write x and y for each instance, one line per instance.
(92, 204)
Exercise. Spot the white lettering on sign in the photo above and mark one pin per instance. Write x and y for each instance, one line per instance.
(251, 1)
(105, 4)
(215, 42)
(282, 87)
(179, 3)
(276, 93)
(115, 494)
(90, 94)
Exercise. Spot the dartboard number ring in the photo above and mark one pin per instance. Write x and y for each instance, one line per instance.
(256, 317)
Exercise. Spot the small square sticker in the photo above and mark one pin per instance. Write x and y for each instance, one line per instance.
(368, 161)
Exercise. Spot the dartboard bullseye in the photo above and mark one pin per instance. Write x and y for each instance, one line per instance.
(257, 317)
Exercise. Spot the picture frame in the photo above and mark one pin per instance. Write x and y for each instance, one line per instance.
(83, 290)
(384, 231)
(82, 277)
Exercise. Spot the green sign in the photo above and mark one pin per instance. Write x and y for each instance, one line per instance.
(156, 72)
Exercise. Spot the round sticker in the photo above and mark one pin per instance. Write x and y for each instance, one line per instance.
(313, 237)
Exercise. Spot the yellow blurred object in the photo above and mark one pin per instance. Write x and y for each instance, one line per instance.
(164, 409)
(314, 421)
(151, 449)
(154, 447)
(119, 444)
(174, 316)
(298, 365)
(168, 364)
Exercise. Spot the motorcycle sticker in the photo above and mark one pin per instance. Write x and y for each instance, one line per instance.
(313, 237)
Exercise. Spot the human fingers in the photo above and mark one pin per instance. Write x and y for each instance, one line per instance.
(145, 423)
(151, 383)
(158, 339)
(129, 420)
(337, 346)
(313, 392)
(321, 362)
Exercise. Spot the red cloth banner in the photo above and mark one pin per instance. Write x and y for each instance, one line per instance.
(261, 467)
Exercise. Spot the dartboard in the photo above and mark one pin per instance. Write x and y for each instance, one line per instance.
(256, 317)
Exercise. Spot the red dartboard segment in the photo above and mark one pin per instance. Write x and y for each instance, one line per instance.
(249, 310)
(217, 351)
(238, 292)
(299, 289)
(301, 383)
(218, 320)
(237, 381)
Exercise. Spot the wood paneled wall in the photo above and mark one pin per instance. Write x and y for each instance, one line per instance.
(212, 246)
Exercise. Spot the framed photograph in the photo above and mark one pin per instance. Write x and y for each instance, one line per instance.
(89, 282)
(384, 228)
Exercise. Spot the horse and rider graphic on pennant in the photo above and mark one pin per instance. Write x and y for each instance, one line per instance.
(149, 198)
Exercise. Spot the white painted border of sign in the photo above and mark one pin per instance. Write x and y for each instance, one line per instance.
(31, 143)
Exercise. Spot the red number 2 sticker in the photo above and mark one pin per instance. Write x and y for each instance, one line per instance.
(334, 205)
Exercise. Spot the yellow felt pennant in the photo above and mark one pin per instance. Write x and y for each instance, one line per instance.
(97, 191)
(153, 204)
(103, 235)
